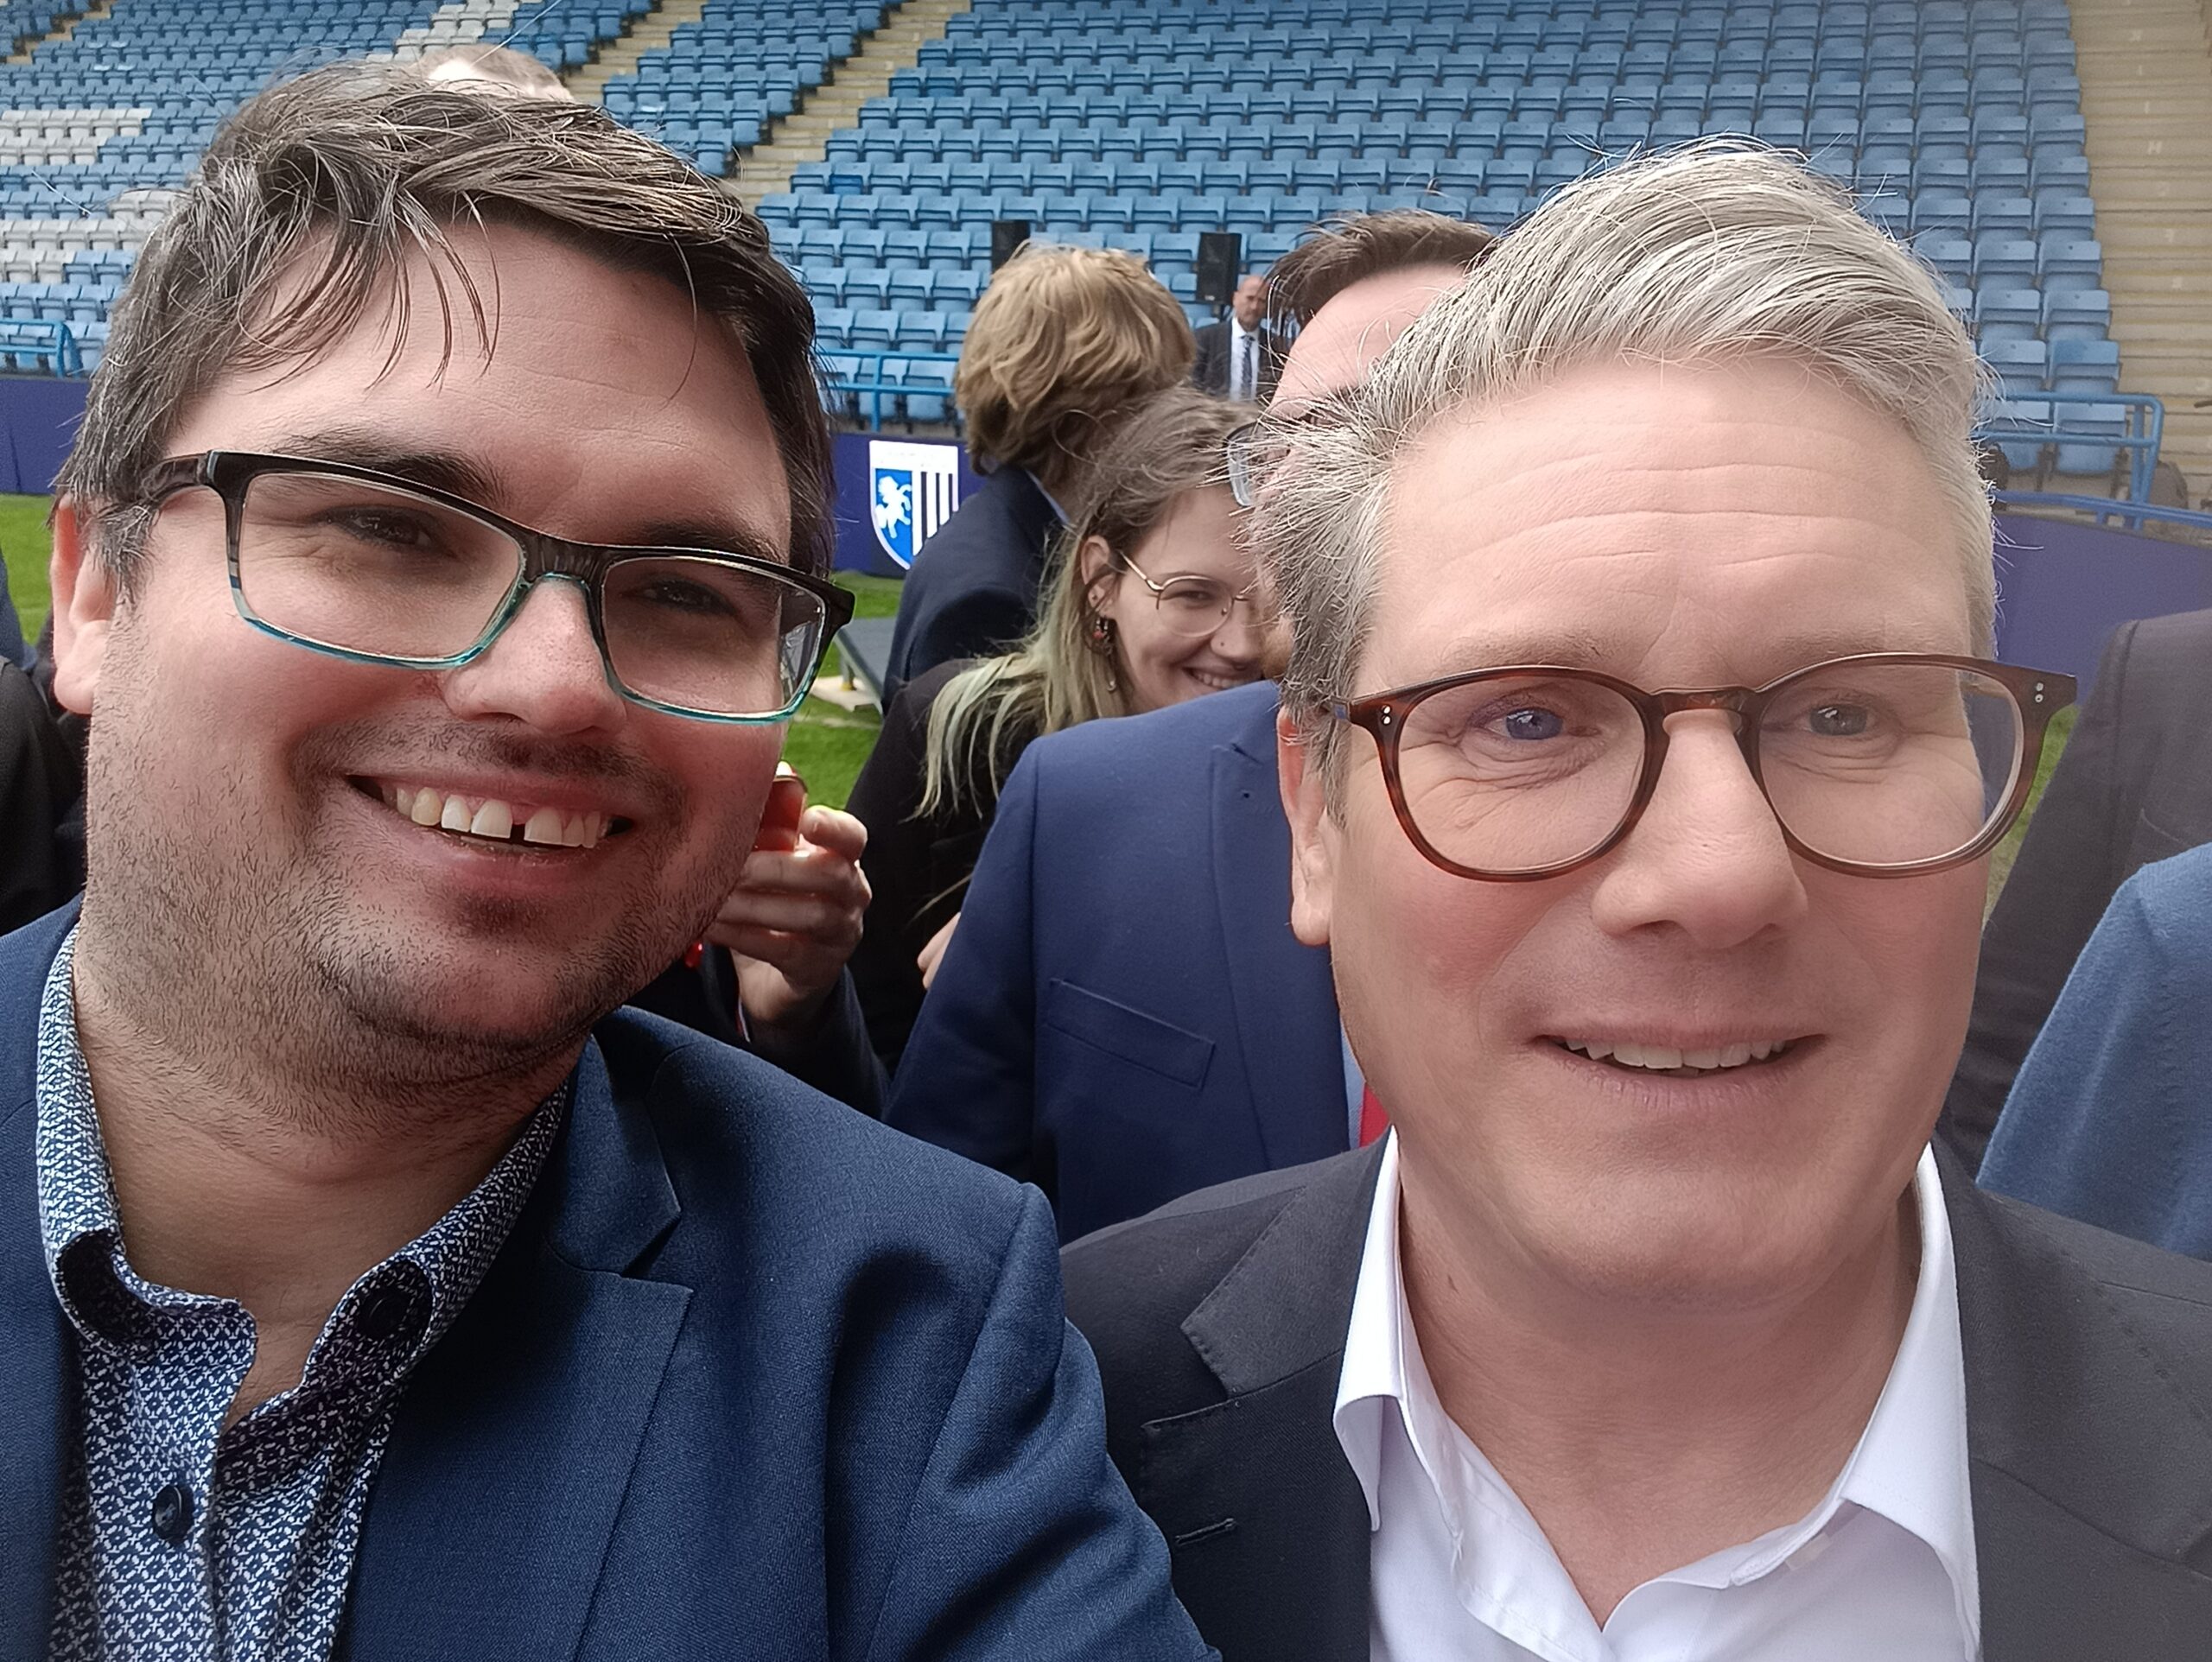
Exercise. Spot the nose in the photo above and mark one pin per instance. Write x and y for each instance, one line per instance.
(1707, 857)
(1242, 637)
(544, 669)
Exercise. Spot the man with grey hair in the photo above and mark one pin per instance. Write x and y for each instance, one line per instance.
(441, 558)
(1652, 571)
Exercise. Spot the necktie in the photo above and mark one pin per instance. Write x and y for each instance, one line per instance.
(1247, 372)
(1373, 1122)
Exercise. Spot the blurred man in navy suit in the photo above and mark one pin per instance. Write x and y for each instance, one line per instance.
(370, 1284)
(1123, 1015)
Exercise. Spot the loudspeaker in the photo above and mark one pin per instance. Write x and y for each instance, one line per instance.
(1006, 238)
(1221, 261)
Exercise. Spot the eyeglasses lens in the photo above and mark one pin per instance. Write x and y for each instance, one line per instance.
(372, 570)
(1877, 764)
(366, 568)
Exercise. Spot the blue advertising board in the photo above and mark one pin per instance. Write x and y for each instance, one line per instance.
(893, 494)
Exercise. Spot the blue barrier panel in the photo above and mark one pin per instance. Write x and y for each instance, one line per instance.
(39, 414)
(892, 494)
(2063, 587)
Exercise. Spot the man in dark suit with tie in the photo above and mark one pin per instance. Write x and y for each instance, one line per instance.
(372, 1283)
(1118, 1027)
(1237, 354)
(1640, 758)
(2134, 786)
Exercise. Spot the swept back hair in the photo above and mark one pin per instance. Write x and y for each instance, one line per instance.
(304, 215)
(1065, 340)
(1718, 251)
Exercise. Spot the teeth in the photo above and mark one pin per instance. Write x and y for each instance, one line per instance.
(495, 820)
(1661, 1059)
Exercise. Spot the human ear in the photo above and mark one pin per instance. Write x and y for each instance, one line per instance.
(86, 595)
(1095, 566)
(1305, 804)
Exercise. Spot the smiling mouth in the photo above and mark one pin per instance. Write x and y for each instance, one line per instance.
(1671, 1063)
(1220, 683)
(493, 819)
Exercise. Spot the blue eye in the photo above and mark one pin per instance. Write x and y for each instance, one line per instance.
(1839, 721)
(1533, 724)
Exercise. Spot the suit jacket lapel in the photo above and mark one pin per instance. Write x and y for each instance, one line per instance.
(1264, 1518)
(37, 1393)
(1284, 1001)
(2093, 1527)
(514, 1444)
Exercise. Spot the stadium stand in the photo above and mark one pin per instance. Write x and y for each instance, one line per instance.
(1139, 123)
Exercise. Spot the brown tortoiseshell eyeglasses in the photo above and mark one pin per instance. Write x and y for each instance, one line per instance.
(1882, 764)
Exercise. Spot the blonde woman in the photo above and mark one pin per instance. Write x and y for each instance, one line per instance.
(1153, 599)
(1064, 341)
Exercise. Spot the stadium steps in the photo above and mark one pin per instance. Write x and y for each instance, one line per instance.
(62, 29)
(620, 56)
(2146, 94)
(804, 137)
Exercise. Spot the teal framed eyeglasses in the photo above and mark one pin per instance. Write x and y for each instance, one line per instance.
(372, 568)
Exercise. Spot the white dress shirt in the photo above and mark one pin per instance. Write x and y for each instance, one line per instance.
(1243, 371)
(1881, 1570)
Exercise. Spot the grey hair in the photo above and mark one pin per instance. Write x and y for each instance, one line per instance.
(303, 213)
(1716, 251)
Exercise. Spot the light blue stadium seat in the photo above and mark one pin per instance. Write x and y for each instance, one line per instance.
(2008, 317)
(2013, 262)
(2069, 264)
(2079, 315)
(2022, 427)
(2084, 366)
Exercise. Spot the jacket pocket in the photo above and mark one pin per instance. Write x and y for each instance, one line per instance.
(1134, 1037)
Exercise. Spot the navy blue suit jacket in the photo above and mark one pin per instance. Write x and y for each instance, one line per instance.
(973, 589)
(752, 1378)
(1123, 1015)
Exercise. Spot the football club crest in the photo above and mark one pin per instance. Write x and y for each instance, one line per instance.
(911, 490)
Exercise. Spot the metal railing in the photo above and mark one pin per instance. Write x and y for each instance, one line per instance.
(2143, 428)
(860, 382)
(38, 337)
(2132, 516)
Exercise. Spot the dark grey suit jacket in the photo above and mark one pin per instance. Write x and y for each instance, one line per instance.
(1210, 372)
(2134, 786)
(1219, 1324)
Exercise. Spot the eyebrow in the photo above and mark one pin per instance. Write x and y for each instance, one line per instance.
(1577, 648)
(478, 482)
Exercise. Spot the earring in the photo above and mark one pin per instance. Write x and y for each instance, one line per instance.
(1102, 636)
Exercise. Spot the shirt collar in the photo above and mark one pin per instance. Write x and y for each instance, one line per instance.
(1910, 1464)
(82, 1231)
(1052, 501)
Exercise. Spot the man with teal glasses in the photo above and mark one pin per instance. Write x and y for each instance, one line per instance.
(441, 558)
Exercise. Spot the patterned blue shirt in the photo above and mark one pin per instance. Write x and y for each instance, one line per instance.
(182, 1538)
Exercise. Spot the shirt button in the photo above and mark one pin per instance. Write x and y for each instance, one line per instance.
(384, 1313)
(173, 1513)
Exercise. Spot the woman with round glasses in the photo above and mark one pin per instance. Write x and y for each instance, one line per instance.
(1153, 599)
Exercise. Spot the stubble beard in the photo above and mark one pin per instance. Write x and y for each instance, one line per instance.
(227, 961)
